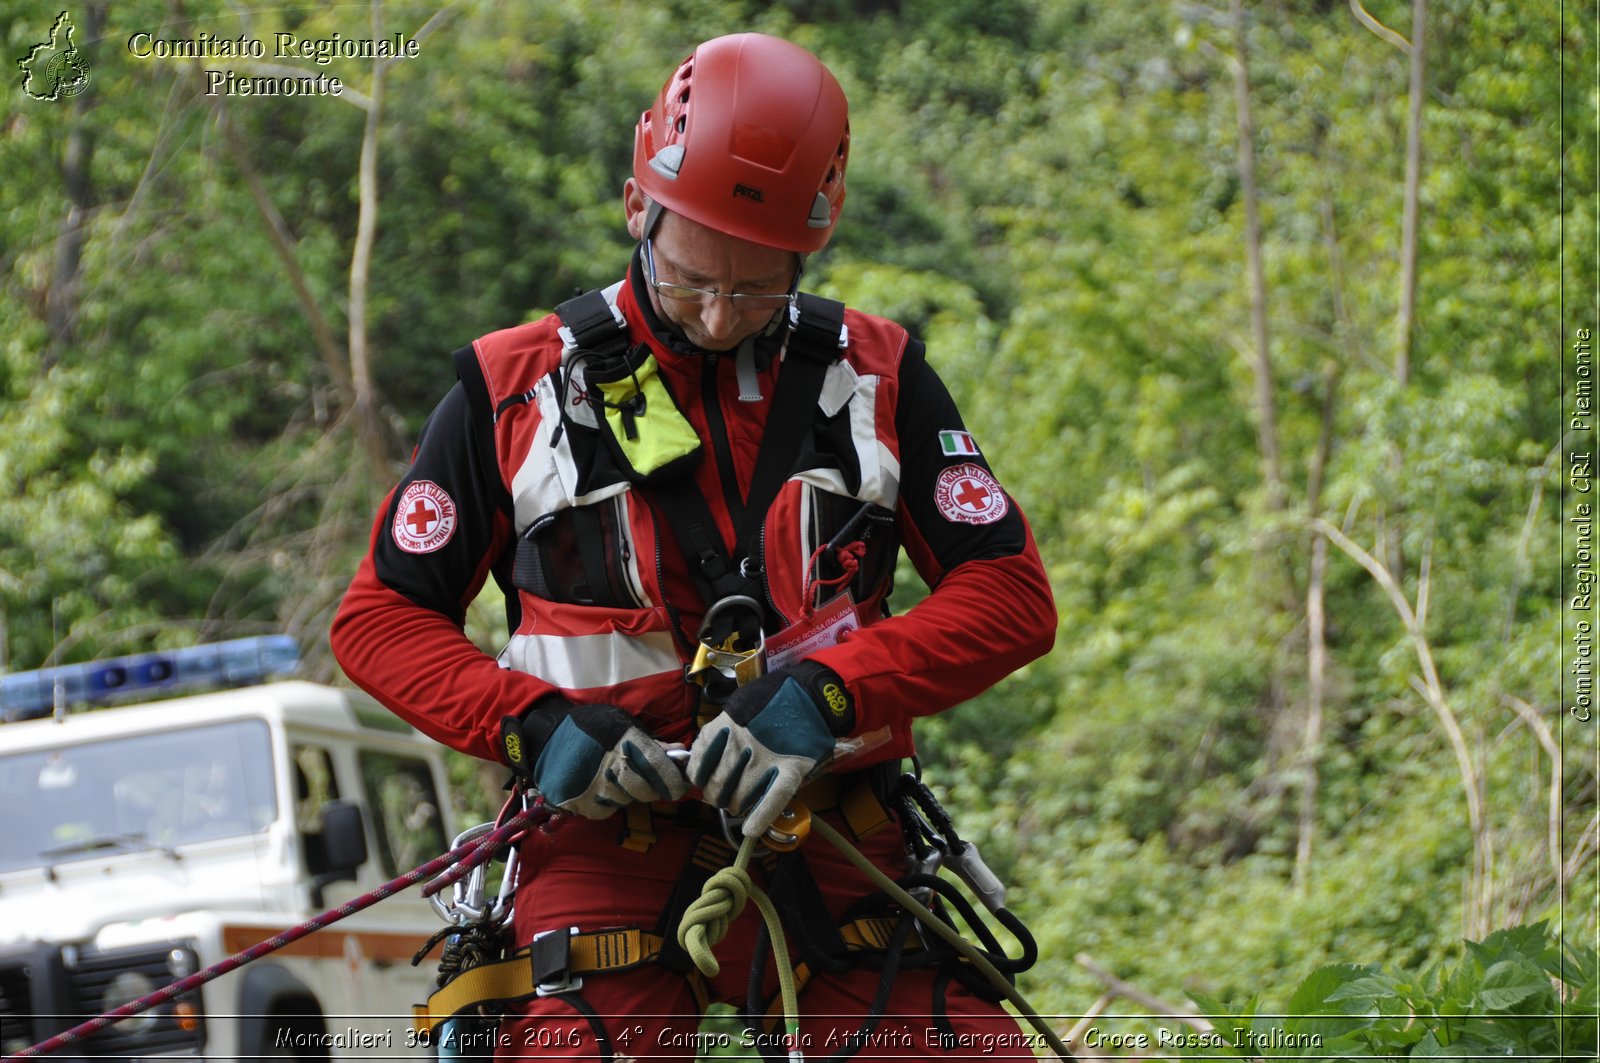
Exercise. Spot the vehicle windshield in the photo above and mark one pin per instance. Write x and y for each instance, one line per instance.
(149, 791)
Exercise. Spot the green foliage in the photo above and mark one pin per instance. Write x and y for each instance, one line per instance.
(1519, 992)
(1049, 194)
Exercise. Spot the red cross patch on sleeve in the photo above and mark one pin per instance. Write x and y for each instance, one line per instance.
(424, 519)
(967, 494)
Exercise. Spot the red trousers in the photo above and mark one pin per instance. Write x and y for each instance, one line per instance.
(580, 876)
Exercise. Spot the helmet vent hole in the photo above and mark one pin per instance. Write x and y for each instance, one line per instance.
(683, 97)
(682, 124)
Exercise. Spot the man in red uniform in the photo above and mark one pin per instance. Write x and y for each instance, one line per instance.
(698, 459)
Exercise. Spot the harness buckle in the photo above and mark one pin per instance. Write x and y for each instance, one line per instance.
(551, 958)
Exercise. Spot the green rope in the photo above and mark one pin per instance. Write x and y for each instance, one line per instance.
(706, 922)
(968, 950)
(722, 899)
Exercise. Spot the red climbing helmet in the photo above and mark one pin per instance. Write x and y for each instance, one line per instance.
(749, 137)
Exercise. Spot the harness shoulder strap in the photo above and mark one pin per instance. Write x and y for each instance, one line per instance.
(590, 322)
(818, 337)
(816, 342)
(819, 329)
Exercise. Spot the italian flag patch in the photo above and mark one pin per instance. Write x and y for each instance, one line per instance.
(957, 444)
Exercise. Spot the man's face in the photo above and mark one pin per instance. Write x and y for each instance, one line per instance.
(688, 253)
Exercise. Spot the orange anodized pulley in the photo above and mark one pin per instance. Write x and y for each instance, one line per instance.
(792, 827)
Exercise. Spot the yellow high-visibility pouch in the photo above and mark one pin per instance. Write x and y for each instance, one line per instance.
(645, 431)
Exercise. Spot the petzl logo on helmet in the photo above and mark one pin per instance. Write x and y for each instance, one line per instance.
(424, 519)
(55, 69)
(967, 494)
(755, 195)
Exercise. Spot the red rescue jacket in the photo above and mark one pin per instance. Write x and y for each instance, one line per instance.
(600, 603)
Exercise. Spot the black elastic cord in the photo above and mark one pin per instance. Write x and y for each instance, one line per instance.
(755, 999)
(880, 1001)
(608, 1052)
(993, 950)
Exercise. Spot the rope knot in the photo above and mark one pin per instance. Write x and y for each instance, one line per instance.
(706, 922)
(847, 557)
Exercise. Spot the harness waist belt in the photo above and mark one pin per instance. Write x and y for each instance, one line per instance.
(531, 969)
(550, 964)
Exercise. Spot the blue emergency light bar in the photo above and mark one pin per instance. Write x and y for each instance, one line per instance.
(27, 695)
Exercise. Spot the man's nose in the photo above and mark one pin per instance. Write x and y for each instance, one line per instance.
(719, 317)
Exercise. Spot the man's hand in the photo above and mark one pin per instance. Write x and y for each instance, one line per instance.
(770, 734)
(588, 759)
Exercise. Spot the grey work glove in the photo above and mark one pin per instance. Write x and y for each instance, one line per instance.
(588, 759)
(769, 736)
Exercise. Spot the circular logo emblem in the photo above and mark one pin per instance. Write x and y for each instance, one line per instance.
(67, 74)
(424, 519)
(838, 703)
(967, 494)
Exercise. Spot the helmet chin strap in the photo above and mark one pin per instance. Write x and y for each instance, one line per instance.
(652, 217)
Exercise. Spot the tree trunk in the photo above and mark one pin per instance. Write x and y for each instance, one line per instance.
(1414, 618)
(61, 300)
(1266, 403)
(371, 429)
(1316, 642)
(1408, 230)
(1405, 325)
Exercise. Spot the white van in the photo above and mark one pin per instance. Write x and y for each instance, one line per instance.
(141, 844)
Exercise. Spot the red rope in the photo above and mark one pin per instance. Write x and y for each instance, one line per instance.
(469, 854)
(847, 557)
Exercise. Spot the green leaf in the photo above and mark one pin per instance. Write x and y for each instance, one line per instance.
(1332, 984)
(1226, 1021)
(1430, 1047)
(1210, 1006)
(1527, 941)
(1510, 983)
(1315, 1000)
(1364, 994)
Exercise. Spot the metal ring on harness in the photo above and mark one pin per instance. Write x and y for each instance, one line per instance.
(722, 668)
(732, 601)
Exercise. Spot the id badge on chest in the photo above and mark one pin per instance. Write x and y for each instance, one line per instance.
(823, 628)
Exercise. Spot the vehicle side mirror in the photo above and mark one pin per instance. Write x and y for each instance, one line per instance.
(343, 844)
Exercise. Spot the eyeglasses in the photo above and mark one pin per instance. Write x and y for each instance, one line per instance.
(742, 301)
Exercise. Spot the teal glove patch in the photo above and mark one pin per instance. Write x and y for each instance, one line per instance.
(789, 726)
(589, 759)
(771, 734)
(568, 764)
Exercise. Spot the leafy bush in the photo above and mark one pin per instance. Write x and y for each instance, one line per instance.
(1518, 993)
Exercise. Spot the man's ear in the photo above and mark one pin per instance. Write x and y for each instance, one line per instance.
(634, 206)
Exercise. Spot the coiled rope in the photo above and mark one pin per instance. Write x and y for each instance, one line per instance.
(723, 897)
(706, 923)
